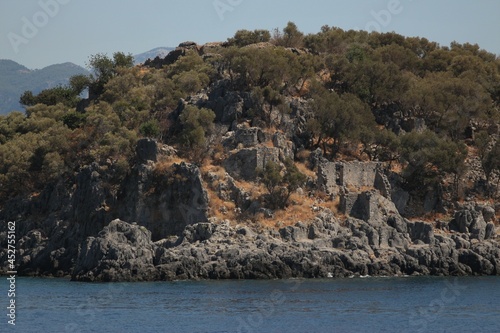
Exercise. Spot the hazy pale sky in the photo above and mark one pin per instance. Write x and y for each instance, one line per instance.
(37, 33)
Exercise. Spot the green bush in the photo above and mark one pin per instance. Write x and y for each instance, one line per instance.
(150, 128)
(279, 183)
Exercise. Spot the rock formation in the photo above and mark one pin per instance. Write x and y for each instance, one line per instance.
(380, 242)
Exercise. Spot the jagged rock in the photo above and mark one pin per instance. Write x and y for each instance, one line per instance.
(147, 150)
(477, 263)
(295, 233)
(478, 228)
(229, 191)
(398, 223)
(374, 240)
(227, 105)
(421, 231)
(89, 200)
(120, 252)
(462, 221)
(469, 221)
(215, 250)
(165, 203)
(488, 213)
(198, 232)
(490, 231)
(173, 56)
(316, 158)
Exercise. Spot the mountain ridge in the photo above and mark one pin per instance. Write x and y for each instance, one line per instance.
(161, 51)
(17, 78)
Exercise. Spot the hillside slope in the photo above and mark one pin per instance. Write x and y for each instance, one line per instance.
(329, 154)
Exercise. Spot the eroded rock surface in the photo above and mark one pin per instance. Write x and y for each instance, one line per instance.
(381, 242)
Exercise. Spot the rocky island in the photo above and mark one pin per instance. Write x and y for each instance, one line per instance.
(289, 156)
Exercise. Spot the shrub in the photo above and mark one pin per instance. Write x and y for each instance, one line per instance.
(279, 183)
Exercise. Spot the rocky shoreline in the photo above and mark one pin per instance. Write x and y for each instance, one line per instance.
(385, 244)
(65, 233)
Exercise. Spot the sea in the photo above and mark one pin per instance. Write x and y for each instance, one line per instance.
(360, 304)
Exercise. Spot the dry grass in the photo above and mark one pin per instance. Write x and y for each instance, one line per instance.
(268, 144)
(433, 217)
(165, 165)
(215, 169)
(302, 167)
(303, 155)
(397, 167)
(256, 190)
(302, 209)
(222, 210)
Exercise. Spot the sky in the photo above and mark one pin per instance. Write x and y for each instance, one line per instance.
(38, 33)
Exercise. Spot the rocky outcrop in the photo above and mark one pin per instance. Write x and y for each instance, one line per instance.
(379, 242)
(147, 150)
(164, 202)
(120, 252)
(51, 226)
(472, 222)
(174, 55)
(91, 200)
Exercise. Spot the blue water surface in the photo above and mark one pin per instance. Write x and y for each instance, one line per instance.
(416, 304)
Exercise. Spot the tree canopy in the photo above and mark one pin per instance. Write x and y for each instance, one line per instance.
(354, 94)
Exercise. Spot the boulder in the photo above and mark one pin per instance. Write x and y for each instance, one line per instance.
(490, 231)
(471, 222)
(421, 231)
(120, 252)
(488, 213)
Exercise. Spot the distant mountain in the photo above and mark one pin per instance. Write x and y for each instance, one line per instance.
(15, 79)
(159, 51)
